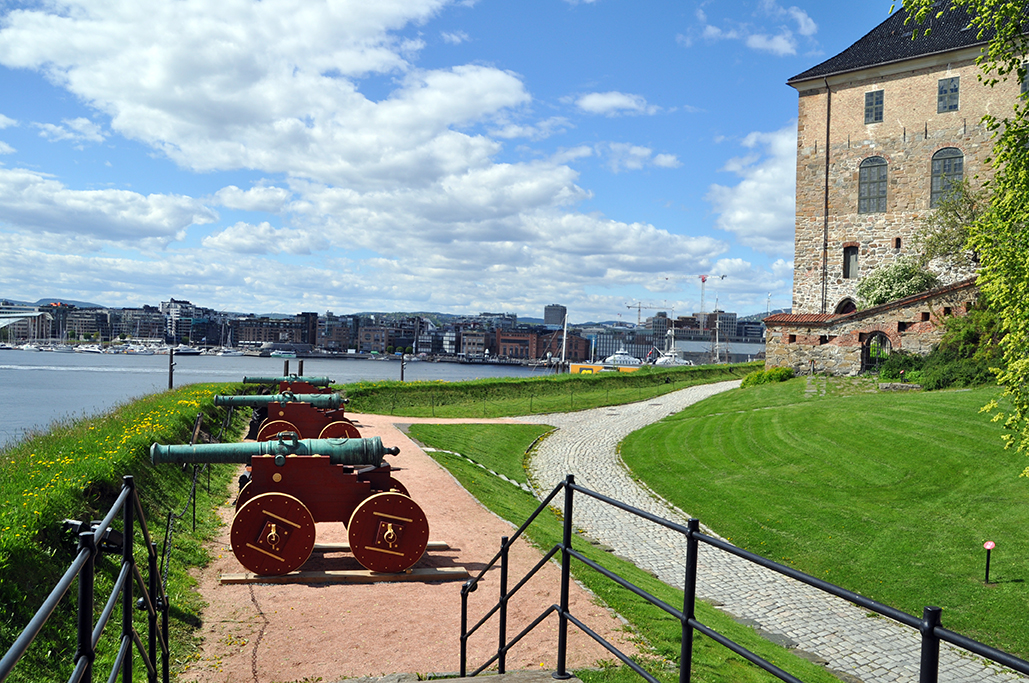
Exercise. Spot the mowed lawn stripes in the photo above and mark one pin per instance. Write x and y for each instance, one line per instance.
(888, 494)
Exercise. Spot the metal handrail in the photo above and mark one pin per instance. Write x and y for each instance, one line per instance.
(932, 632)
(152, 598)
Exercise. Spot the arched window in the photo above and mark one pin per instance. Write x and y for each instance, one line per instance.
(872, 185)
(948, 170)
(875, 351)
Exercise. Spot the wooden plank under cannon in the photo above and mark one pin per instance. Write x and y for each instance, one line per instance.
(345, 547)
(350, 576)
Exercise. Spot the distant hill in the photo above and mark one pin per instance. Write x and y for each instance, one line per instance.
(70, 302)
(758, 317)
(47, 302)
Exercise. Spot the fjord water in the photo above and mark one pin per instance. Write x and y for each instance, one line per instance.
(37, 388)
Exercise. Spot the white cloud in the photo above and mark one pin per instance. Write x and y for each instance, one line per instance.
(777, 40)
(260, 198)
(615, 103)
(454, 37)
(246, 238)
(33, 201)
(779, 45)
(6, 148)
(623, 156)
(540, 130)
(6, 122)
(760, 210)
(77, 130)
(714, 33)
(269, 85)
(806, 26)
(564, 156)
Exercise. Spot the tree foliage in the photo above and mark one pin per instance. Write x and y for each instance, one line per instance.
(944, 232)
(1000, 235)
(896, 280)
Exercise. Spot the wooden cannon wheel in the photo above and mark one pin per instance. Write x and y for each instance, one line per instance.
(388, 533)
(245, 494)
(397, 487)
(272, 534)
(340, 429)
(271, 428)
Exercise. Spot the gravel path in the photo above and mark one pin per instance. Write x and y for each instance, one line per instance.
(839, 634)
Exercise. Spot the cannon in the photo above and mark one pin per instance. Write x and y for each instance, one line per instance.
(309, 415)
(295, 383)
(294, 483)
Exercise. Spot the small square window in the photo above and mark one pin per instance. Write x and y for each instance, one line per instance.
(896, 243)
(947, 95)
(874, 106)
(793, 339)
(925, 316)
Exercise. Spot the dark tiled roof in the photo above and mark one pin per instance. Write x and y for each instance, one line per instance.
(891, 41)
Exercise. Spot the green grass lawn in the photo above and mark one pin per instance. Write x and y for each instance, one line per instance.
(502, 449)
(499, 397)
(888, 494)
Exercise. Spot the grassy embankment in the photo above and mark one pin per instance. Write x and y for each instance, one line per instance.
(888, 494)
(74, 471)
(502, 448)
(531, 396)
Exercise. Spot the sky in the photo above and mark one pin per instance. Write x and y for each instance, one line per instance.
(454, 156)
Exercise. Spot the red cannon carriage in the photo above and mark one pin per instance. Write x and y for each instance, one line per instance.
(295, 483)
(311, 416)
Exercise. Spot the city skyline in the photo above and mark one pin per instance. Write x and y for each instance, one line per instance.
(434, 155)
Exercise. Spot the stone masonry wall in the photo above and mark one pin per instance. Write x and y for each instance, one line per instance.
(835, 345)
(910, 133)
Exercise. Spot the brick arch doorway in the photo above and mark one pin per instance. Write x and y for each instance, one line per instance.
(875, 351)
(847, 305)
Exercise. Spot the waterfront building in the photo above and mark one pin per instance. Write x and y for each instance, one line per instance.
(554, 315)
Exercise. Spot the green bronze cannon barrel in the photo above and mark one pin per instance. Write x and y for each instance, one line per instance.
(368, 451)
(324, 401)
(314, 381)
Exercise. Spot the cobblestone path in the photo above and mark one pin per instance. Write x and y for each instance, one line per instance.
(844, 637)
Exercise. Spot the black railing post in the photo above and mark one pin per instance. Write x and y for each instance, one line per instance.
(152, 617)
(166, 650)
(689, 602)
(85, 620)
(502, 652)
(929, 667)
(127, 558)
(464, 626)
(566, 559)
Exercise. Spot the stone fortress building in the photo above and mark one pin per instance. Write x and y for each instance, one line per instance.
(885, 129)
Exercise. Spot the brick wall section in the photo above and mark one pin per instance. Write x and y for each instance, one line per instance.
(835, 342)
(910, 133)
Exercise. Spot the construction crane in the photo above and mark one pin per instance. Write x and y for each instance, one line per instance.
(704, 279)
(639, 310)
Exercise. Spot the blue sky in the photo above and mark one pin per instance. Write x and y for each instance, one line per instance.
(399, 155)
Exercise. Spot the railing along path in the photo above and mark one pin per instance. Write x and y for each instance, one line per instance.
(932, 633)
